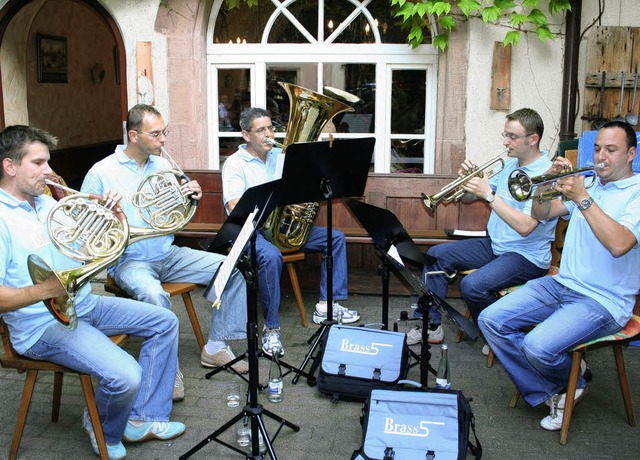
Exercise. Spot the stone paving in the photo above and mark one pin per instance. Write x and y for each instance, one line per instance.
(332, 431)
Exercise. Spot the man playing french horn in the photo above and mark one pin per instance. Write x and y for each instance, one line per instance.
(133, 398)
(149, 262)
(517, 246)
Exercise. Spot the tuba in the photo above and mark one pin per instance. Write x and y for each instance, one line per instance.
(85, 230)
(289, 227)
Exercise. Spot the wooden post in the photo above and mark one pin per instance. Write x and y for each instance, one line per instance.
(144, 72)
(501, 77)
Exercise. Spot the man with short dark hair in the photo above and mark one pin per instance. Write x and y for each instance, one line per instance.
(593, 294)
(133, 398)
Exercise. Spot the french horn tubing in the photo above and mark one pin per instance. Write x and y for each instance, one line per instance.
(521, 184)
(83, 229)
(455, 190)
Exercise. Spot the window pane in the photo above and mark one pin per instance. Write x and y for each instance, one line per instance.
(229, 146)
(408, 101)
(242, 24)
(359, 80)
(234, 95)
(284, 31)
(278, 102)
(407, 155)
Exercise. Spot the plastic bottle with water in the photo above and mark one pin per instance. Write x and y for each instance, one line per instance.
(275, 379)
(442, 377)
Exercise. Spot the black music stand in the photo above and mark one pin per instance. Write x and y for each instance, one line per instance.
(387, 233)
(317, 171)
(264, 199)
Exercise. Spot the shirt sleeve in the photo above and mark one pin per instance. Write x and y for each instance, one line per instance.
(233, 181)
(92, 183)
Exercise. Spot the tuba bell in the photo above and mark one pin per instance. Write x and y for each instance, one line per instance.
(85, 230)
(289, 227)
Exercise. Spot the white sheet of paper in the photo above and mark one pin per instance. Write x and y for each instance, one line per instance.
(393, 252)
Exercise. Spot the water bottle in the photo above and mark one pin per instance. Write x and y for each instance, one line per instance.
(275, 379)
(243, 434)
(442, 377)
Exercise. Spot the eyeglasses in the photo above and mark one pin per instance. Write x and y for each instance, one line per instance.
(263, 130)
(156, 134)
(515, 137)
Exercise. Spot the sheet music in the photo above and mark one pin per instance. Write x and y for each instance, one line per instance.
(393, 252)
(225, 270)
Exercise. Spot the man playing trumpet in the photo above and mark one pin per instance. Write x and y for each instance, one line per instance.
(149, 262)
(517, 247)
(133, 398)
(593, 294)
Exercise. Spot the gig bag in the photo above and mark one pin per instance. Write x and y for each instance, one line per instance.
(355, 360)
(432, 424)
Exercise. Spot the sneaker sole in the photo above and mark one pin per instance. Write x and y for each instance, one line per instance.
(151, 436)
(269, 354)
(319, 320)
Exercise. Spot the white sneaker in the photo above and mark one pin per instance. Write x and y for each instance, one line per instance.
(553, 421)
(486, 349)
(414, 336)
(271, 341)
(347, 316)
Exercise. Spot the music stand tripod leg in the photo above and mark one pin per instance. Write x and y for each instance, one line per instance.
(252, 409)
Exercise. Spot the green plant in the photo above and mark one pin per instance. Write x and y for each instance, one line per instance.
(523, 15)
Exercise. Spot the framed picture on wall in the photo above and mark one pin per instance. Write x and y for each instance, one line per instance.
(52, 59)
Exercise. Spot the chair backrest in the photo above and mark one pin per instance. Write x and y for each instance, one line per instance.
(6, 341)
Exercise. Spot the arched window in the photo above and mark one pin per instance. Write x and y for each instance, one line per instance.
(352, 45)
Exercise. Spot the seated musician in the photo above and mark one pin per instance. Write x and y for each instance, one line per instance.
(152, 261)
(133, 398)
(253, 164)
(518, 246)
(593, 294)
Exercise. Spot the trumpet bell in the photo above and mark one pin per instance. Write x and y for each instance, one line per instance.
(62, 308)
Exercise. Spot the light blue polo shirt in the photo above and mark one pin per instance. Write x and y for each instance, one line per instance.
(119, 173)
(23, 231)
(242, 171)
(535, 247)
(587, 265)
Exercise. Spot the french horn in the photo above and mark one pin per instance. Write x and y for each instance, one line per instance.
(83, 229)
(289, 227)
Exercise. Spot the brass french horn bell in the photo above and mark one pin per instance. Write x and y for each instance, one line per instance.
(82, 229)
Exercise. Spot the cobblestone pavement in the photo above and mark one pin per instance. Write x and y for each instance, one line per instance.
(332, 431)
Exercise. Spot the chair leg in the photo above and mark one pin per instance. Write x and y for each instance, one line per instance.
(460, 333)
(23, 411)
(624, 384)
(514, 398)
(576, 356)
(57, 395)
(491, 358)
(193, 317)
(293, 276)
(90, 399)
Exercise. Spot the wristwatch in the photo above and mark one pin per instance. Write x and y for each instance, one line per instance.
(490, 196)
(584, 204)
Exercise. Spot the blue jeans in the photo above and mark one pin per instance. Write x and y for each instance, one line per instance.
(142, 281)
(480, 288)
(126, 389)
(538, 361)
(270, 270)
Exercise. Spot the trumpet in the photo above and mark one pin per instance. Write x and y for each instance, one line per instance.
(455, 190)
(521, 184)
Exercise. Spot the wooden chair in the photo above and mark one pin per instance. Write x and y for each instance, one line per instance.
(290, 258)
(556, 253)
(622, 338)
(172, 289)
(12, 360)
